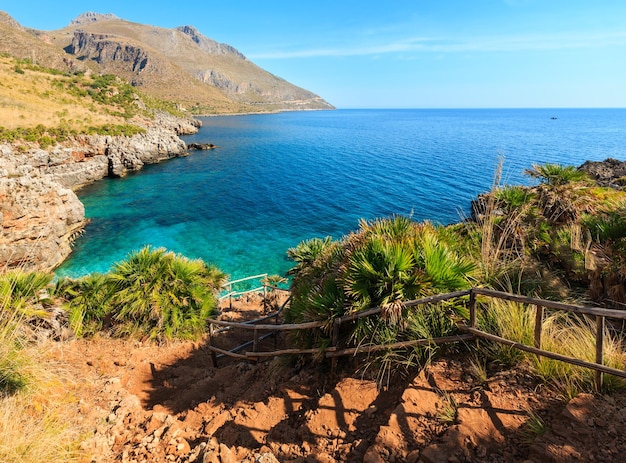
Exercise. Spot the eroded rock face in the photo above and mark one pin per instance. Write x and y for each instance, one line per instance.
(39, 216)
(39, 210)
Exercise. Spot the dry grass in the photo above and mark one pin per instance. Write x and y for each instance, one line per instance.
(562, 333)
(37, 423)
(575, 337)
(38, 416)
(29, 98)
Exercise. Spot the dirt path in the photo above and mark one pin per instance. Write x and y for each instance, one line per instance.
(166, 403)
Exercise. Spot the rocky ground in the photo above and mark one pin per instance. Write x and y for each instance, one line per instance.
(144, 402)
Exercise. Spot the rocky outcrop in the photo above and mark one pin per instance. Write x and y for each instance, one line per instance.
(103, 48)
(91, 17)
(201, 146)
(40, 217)
(609, 173)
(39, 210)
(208, 45)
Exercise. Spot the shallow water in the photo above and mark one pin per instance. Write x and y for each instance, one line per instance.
(281, 178)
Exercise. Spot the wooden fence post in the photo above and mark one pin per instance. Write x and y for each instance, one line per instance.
(599, 351)
(213, 356)
(255, 344)
(472, 309)
(538, 325)
(334, 342)
(230, 296)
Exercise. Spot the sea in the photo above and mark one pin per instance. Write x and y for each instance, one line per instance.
(278, 179)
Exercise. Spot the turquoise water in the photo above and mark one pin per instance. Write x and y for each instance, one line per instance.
(282, 178)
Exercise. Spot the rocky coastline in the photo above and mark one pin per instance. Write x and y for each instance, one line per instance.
(40, 212)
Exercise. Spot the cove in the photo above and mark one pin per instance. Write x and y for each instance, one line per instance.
(278, 179)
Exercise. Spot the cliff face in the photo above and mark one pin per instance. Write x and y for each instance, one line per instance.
(101, 49)
(182, 63)
(39, 216)
(39, 210)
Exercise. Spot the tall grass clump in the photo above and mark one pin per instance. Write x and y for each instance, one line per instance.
(496, 238)
(509, 320)
(19, 292)
(562, 333)
(35, 405)
(574, 336)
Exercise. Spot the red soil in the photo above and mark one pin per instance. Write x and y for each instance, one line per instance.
(152, 403)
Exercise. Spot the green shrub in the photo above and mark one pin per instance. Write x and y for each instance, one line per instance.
(604, 227)
(385, 263)
(89, 302)
(153, 293)
(556, 174)
(513, 197)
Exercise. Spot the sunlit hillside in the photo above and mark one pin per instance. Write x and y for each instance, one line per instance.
(30, 96)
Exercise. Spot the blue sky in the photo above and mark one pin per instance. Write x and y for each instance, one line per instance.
(403, 53)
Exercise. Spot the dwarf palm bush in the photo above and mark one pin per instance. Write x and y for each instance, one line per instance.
(153, 293)
(89, 302)
(513, 197)
(610, 226)
(556, 174)
(383, 264)
(382, 273)
(163, 296)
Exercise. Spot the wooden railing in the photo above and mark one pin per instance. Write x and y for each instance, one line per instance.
(600, 315)
(468, 327)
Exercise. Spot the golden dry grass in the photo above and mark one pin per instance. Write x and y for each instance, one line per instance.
(38, 398)
(39, 423)
(29, 98)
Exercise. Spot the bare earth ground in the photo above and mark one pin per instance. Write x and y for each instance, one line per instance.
(143, 402)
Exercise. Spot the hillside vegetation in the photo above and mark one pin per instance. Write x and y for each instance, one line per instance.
(31, 95)
(563, 239)
(43, 105)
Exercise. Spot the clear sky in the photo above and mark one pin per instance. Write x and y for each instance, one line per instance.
(403, 53)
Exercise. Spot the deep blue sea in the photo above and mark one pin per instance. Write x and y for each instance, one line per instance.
(278, 179)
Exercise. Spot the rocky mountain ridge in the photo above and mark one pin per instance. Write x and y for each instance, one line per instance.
(179, 64)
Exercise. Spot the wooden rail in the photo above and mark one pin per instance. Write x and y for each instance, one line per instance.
(600, 315)
(469, 328)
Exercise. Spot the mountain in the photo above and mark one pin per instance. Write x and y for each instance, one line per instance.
(179, 64)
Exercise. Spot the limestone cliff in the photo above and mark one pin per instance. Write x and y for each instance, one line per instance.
(39, 210)
(180, 64)
(39, 216)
